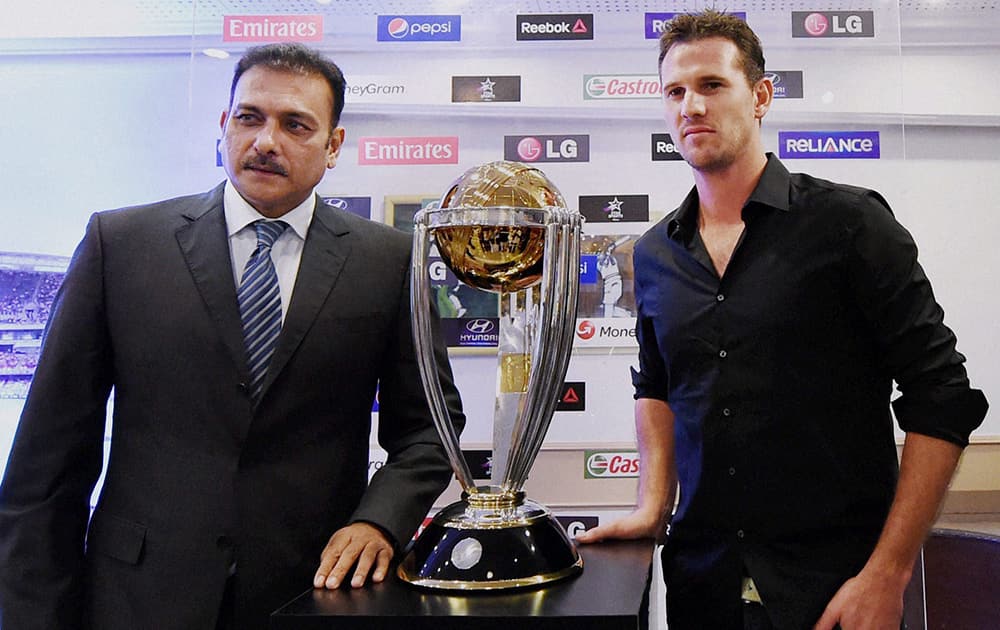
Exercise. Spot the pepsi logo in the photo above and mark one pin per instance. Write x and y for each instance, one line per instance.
(398, 27)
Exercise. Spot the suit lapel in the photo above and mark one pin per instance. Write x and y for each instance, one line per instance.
(204, 243)
(323, 258)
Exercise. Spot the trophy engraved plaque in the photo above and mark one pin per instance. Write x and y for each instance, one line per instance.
(501, 227)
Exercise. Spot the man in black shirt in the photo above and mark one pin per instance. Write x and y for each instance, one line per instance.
(775, 311)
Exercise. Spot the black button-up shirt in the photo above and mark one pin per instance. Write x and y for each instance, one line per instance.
(779, 374)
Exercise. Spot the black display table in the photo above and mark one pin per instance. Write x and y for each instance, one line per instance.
(610, 594)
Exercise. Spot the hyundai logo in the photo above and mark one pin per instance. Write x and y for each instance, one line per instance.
(479, 326)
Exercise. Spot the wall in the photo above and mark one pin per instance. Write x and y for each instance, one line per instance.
(125, 108)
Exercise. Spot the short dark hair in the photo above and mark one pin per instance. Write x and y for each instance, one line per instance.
(289, 57)
(689, 27)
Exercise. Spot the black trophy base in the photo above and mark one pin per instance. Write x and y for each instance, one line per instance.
(470, 549)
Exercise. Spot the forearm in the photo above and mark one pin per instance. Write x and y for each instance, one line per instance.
(926, 469)
(654, 424)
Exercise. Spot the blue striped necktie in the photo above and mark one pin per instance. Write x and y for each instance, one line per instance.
(260, 304)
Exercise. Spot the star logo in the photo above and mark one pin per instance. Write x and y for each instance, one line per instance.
(486, 89)
(614, 209)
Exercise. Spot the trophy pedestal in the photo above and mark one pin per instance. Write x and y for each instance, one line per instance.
(471, 547)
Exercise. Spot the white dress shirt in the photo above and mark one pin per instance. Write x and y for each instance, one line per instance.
(287, 250)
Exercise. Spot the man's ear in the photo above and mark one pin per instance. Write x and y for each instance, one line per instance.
(333, 151)
(763, 93)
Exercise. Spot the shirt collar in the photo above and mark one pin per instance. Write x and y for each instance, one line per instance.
(239, 213)
(772, 190)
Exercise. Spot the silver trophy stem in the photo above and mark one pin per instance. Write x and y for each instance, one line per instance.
(420, 297)
(552, 346)
(519, 313)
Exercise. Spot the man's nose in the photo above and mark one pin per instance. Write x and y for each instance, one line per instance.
(266, 139)
(693, 104)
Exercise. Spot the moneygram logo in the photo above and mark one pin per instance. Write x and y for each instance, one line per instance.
(272, 28)
(787, 83)
(833, 24)
(605, 464)
(367, 90)
(606, 87)
(575, 148)
(829, 144)
(656, 23)
(419, 28)
(556, 26)
(409, 150)
(585, 330)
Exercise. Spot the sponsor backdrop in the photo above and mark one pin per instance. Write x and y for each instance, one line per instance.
(132, 99)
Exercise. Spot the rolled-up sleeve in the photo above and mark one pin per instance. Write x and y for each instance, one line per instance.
(919, 350)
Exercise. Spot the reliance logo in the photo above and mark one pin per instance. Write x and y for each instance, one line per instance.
(272, 28)
(833, 24)
(828, 144)
(411, 150)
(419, 28)
(605, 87)
(656, 23)
(574, 148)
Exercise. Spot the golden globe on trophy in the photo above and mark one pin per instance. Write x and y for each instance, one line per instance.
(505, 228)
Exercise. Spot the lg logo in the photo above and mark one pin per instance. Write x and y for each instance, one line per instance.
(833, 24)
(569, 148)
(531, 149)
(438, 271)
(816, 24)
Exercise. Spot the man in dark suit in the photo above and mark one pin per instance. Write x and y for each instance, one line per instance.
(228, 470)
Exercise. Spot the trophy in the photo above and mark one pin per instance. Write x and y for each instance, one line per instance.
(505, 228)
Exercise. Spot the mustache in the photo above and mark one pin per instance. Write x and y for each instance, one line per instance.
(264, 163)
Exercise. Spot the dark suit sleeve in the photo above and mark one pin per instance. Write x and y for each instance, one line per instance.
(56, 456)
(417, 469)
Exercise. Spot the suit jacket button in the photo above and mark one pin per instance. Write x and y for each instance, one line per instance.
(243, 388)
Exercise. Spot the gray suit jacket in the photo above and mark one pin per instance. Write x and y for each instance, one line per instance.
(198, 476)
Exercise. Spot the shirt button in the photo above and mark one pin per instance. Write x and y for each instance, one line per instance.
(740, 534)
(732, 471)
(722, 354)
(727, 412)
(720, 297)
